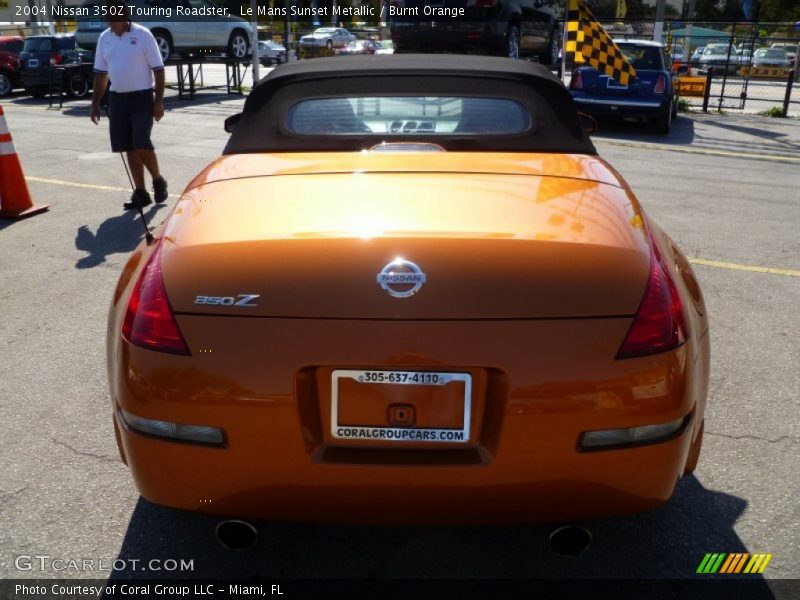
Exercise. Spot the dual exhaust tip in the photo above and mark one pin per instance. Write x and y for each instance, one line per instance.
(235, 534)
(568, 540)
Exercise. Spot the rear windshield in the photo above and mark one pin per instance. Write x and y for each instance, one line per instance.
(38, 45)
(431, 115)
(15, 46)
(642, 57)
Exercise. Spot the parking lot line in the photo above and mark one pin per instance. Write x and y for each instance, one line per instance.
(738, 267)
(90, 186)
(704, 151)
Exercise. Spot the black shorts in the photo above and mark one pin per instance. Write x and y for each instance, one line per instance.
(131, 120)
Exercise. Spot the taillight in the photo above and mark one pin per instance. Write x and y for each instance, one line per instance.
(661, 85)
(660, 322)
(576, 83)
(149, 321)
(57, 59)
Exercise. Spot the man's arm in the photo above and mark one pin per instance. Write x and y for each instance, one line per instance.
(158, 106)
(99, 88)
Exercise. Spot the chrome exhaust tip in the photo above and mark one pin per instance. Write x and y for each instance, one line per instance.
(235, 534)
(570, 540)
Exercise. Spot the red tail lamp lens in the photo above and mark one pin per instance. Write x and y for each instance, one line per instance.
(149, 320)
(660, 323)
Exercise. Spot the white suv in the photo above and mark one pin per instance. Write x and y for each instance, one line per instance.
(226, 33)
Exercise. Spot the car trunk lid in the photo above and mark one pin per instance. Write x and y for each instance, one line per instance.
(513, 243)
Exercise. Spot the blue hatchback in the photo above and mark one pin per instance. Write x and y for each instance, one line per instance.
(650, 95)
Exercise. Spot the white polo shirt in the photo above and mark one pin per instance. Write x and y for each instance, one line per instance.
(129, 59)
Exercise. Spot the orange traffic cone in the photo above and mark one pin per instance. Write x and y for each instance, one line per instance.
(15, 200)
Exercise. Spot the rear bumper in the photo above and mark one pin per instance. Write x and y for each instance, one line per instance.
(605, 106)
(244, 483)
(523, 463)
(32, 79)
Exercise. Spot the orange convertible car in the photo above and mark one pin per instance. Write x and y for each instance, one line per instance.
(408, 292)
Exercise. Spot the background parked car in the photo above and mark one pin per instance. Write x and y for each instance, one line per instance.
(677, 53)
(385, 47)
(515, 28)
(229, 34)
(327, 37)
(720, 57)
(40, 53)
(10, 47)
(791, 51)
(359, 47)
(698, 52)
(650, 95)
(771, 57)
(270, 53)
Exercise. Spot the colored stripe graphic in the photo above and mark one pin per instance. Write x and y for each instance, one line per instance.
(740, 564)
(734, 560)
(711, 563)
(724, 563)
(758, 563)
(727, 564)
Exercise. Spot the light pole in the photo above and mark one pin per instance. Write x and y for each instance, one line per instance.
(658, 30)
(254, 35)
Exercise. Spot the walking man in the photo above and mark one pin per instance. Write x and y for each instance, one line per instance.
(128, 56)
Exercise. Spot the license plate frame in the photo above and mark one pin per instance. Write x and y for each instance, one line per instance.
(414, 435)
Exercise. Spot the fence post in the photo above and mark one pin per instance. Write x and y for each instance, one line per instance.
(788, 97)
(709, 75)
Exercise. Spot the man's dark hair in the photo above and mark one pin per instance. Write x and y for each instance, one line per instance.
(117, 11)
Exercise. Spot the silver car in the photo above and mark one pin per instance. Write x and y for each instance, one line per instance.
(327, 37)
(223, 33)
(771, 57)
(270, 52)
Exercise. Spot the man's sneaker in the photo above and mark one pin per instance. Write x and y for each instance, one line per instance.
(139, 198)
(160, 190)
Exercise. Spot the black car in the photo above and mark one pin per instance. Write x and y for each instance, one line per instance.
(41, 53)
(513, 28)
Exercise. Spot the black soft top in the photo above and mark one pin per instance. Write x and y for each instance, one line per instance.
(555, 123)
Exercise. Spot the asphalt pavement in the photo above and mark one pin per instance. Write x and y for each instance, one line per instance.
(726, 188)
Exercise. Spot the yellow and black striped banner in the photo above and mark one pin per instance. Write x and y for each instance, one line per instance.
(587, 41)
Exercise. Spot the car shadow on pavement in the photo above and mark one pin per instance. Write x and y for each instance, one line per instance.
(667, 543)
(120, 234)
(681, 134)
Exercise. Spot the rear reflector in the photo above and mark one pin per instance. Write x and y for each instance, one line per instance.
(176, 431)
(631, 435)
(660, 323)
(149, 321)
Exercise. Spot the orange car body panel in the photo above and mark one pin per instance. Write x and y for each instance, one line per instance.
(536, 265)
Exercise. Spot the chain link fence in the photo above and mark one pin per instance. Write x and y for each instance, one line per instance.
(735, 67)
